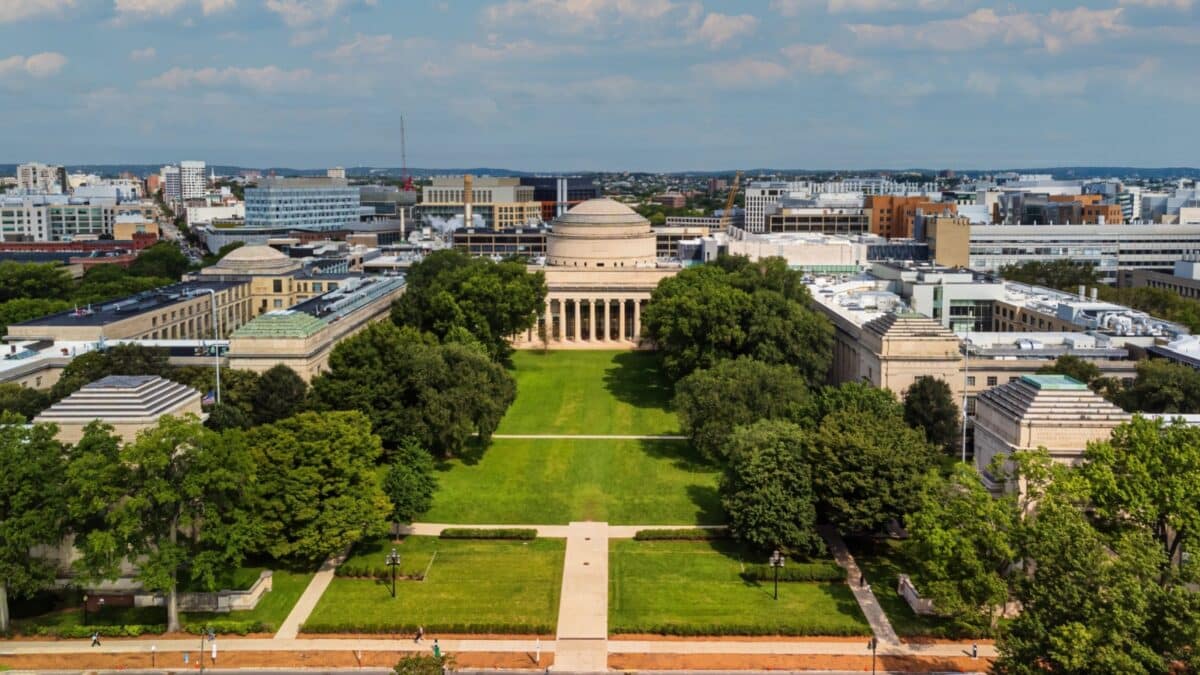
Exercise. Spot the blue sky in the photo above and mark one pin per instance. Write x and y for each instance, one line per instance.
(602, 84)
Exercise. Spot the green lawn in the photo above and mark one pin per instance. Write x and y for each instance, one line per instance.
(471, 586)
(589, 392)
(882, 562)
(695, 588)
(272, 609)
(546, 482)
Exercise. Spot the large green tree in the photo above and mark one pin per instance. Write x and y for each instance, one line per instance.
(22, 400)
(712, 401)
(1065, 275)
(32, 506)
(121, 359)
(33, 280)
(181, 508)
(491, 300)
(109, 282)
(411, 387)
(1081, 370)
(319, 491)
(19, 310)
(164, 260)
(963, 542)
(767, 488)
(736, 308)
(1162, 387)
(280, 393)
(410, 482)
(929, 406)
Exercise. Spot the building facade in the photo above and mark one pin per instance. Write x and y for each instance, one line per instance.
(36, 177)
(302, 203)
(193, 184)
(500, 202)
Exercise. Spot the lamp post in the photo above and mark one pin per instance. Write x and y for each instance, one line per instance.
(100, 609)
(873, 644)
(393, 561)
(85, 618)
(776, 563)
(212, 294)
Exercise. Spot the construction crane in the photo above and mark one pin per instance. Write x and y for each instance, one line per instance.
(408, 181)
(727, 214)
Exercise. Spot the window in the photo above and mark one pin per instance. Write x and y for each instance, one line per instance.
(970, 380)
(316, 287)
(277, 285)
(991, 381)
(278, 303)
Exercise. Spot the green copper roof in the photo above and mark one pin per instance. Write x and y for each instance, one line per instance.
(281, 324)
(1053, 382)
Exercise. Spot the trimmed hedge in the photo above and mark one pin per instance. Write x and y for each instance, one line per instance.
(712, 629)
(681, 534)
(230, 627)
(219, 626)
(521, 534)
(377, 628)
(814, 571)
(362, 570)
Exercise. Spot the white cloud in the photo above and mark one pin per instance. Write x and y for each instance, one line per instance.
(267, 79)
(1053, 31)
(798, 7)
(39, 65)
(527, 50)
(216, 6)
(302, 38)
(983, 83)
(820, 59)
(363, 48)
(717, 29)
(147, 9)
(1181, 5)
(296, 13)
(147, 54)
(744, 73)
(579, 16)
(20, 10)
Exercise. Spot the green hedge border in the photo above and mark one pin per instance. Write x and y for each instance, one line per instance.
(510, 533)
(403, 628)
(813, 571)
(218, 626)
(712, 630)
(681, 534)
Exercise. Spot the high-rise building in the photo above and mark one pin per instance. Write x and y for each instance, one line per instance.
(35, 177)
(500, 202)
(172, 183)
(760, 195)
(302, 203)
(192, 181)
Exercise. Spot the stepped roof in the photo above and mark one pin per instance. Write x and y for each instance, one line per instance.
(1051, 398)
(281, 324)
(121, 398)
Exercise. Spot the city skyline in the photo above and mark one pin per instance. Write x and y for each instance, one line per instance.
(587, 85)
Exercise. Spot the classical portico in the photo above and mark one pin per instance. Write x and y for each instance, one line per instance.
(600, 271)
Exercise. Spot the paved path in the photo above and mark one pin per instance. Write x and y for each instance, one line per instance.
(880, 625)
(308, 600)
(583, 605)
(593, 437)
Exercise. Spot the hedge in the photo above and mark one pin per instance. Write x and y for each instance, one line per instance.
(524, 534)
(402, 628)
(682, 534)
(219, 626)
(365, 570)
(815, 571)
(229, 627)
(713, 629)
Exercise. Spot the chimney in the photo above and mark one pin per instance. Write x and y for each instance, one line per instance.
(468, 199)
(1082, 293)
(1095, 294)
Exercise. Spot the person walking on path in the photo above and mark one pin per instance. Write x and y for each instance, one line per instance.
(437, 649)
(862, 580)
(96, 639)
(420, 634)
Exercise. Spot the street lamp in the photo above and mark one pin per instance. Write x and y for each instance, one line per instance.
(873, 644)
(85, 619)
(212, 294)
(776, 563)
(393, 561)
(100, 609)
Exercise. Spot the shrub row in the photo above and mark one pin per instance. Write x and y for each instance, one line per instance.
(230, 627)
(710, 629)
(407, 628)
(682, 534)
(815, 571)
(221, 627)
(365, 570)
(524, 534)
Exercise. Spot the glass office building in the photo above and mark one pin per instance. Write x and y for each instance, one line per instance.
(302, 203)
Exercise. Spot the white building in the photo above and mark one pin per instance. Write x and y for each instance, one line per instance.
(335, 172)
(172, 185)
(199, 216)
(43, 178)
(192, 181)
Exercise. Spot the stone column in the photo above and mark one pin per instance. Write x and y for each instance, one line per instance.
(607, 333)
(592, 320)
(549, 321)
(637, 320)
(578, 334)
(621, 319)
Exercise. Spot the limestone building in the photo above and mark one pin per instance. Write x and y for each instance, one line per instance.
(601, 267)
(129, 403)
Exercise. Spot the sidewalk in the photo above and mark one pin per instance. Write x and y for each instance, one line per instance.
(582, 641)
(309, 599)
(880, 625)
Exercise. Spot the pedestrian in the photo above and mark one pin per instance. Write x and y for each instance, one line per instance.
(437, 649)
(862, 580)
(974, 650)
(420, 634)
(96, 638)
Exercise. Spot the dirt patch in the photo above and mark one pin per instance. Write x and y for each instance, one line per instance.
(917, 664)
(732, 638)
(275, 659)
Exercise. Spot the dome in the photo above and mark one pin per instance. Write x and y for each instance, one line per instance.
(252, 254)
(601, 233)
(254, 260)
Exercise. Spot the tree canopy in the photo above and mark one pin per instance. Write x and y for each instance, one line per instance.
(737, 308)
(410, 482)
(24, 401)
(280, 393)
(33, 280)
(163, 259)
(1074, 367)
(929, 405)
(491, 300)
(1162, 387)
(19, 310)
(120, 359)
(436, 394)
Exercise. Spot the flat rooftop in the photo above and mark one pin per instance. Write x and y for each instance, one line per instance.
(116, 310)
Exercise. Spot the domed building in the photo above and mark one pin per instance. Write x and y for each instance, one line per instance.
(600, 270)
(253, 260)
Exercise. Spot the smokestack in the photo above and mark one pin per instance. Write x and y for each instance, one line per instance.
(468, 199)
(1095, 294)
(1082, 293)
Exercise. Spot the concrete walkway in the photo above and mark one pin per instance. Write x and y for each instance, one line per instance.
(592, 437)
(880, 625)
(583, 605)
(309, 599)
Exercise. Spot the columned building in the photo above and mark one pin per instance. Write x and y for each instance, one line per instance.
(601, 269)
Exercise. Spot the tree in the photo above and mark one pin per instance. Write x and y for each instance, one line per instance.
(106, 282)
(121, 359)
(1065, 275)
(929, 406)
(321, 493)
(238, 387)
(492, 300)
(736, 308)
(424, 664)
(963, 542)
(280, 393)
(1074, 367)
(24, 401)
(712, 401)
(1146, 477)
(181, 508)
(222, 416)
(858, 397)
(163, 259)
(1162, 387)
(32, 506)
(410, 482)
(19, 310)
(767, 489)
(411, 387)
(867, 469)
(33, 280)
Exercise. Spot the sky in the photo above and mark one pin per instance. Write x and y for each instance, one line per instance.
(583, 85)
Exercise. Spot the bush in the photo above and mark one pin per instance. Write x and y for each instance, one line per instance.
(795, 628)
(524, 534)
(815, 571)
(229, 627)
(683, 534)
(365, 570)
(82, 632)
(404, 628)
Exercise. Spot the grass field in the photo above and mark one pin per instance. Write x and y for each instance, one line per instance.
(273, 608)
(485, 586)
(589, 392)
(547, 482)
(695, 588)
